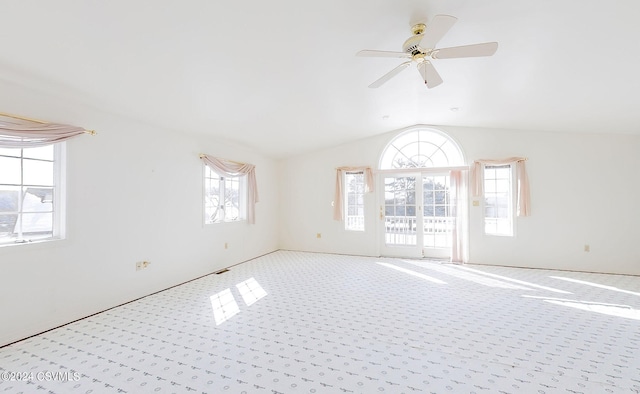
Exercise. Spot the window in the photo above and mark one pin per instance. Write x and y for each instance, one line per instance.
(30, 192)
(354, 201)
(498, 200)
(421, 148)
(224, 197)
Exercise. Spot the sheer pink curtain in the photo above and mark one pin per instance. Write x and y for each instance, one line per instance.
(460, 233)
(524, 194)
(16, 132)
(338, 201)
(231, 168)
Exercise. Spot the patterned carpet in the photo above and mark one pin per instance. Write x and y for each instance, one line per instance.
(293, 322)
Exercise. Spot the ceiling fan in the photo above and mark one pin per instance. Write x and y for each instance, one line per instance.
(420, 48)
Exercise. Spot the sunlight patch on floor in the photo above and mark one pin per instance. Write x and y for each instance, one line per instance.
(224, 306)
(482, 280)
(583, 282)
(413, 273)
(537, 286)
(251, 291)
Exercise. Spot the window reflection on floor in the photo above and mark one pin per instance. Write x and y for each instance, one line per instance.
(224, 303)
(250, 291)
(224, 306)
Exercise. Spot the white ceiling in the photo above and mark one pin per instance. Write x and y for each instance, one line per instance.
(281, 77)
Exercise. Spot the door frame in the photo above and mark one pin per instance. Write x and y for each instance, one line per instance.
(408, 251)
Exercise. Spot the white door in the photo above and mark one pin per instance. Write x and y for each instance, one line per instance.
(416, 214)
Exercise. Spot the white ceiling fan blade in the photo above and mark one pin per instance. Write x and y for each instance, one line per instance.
(370, 53)
(429, 74)
(436, 29)
(389, 75)
(475, 50)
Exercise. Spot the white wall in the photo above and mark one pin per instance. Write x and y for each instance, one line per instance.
(307, 188)
(584, 191)
(134, 193)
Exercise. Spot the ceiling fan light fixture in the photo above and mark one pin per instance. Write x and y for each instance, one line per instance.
(419, 57)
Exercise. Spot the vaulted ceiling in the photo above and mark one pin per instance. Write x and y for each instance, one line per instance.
(282, 77)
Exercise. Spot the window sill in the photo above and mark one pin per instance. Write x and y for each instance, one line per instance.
(225, 222)
(30, 245)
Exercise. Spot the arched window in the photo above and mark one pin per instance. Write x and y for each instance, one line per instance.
(421, 148)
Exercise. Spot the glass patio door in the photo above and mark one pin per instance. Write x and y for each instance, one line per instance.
(417, 215)
(438, 215)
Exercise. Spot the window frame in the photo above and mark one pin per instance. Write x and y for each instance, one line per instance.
(511, 207)
(358, 195)
(424, 145)
(58, 208)
(223, 184)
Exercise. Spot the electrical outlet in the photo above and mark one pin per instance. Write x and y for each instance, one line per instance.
(587, 248)
(226, 245)
(140, 265)
(319, 235)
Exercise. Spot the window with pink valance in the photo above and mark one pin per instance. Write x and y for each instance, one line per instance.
(524, 199)
(231, 169)
(18, 132)
(338, 204)
(32, 178)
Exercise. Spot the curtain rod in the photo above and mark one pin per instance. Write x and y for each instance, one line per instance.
(202, 155)
(92, 132)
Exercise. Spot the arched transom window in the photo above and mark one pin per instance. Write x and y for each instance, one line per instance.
(421, 148)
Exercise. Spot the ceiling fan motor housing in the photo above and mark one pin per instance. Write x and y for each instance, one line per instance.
(412, 45)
